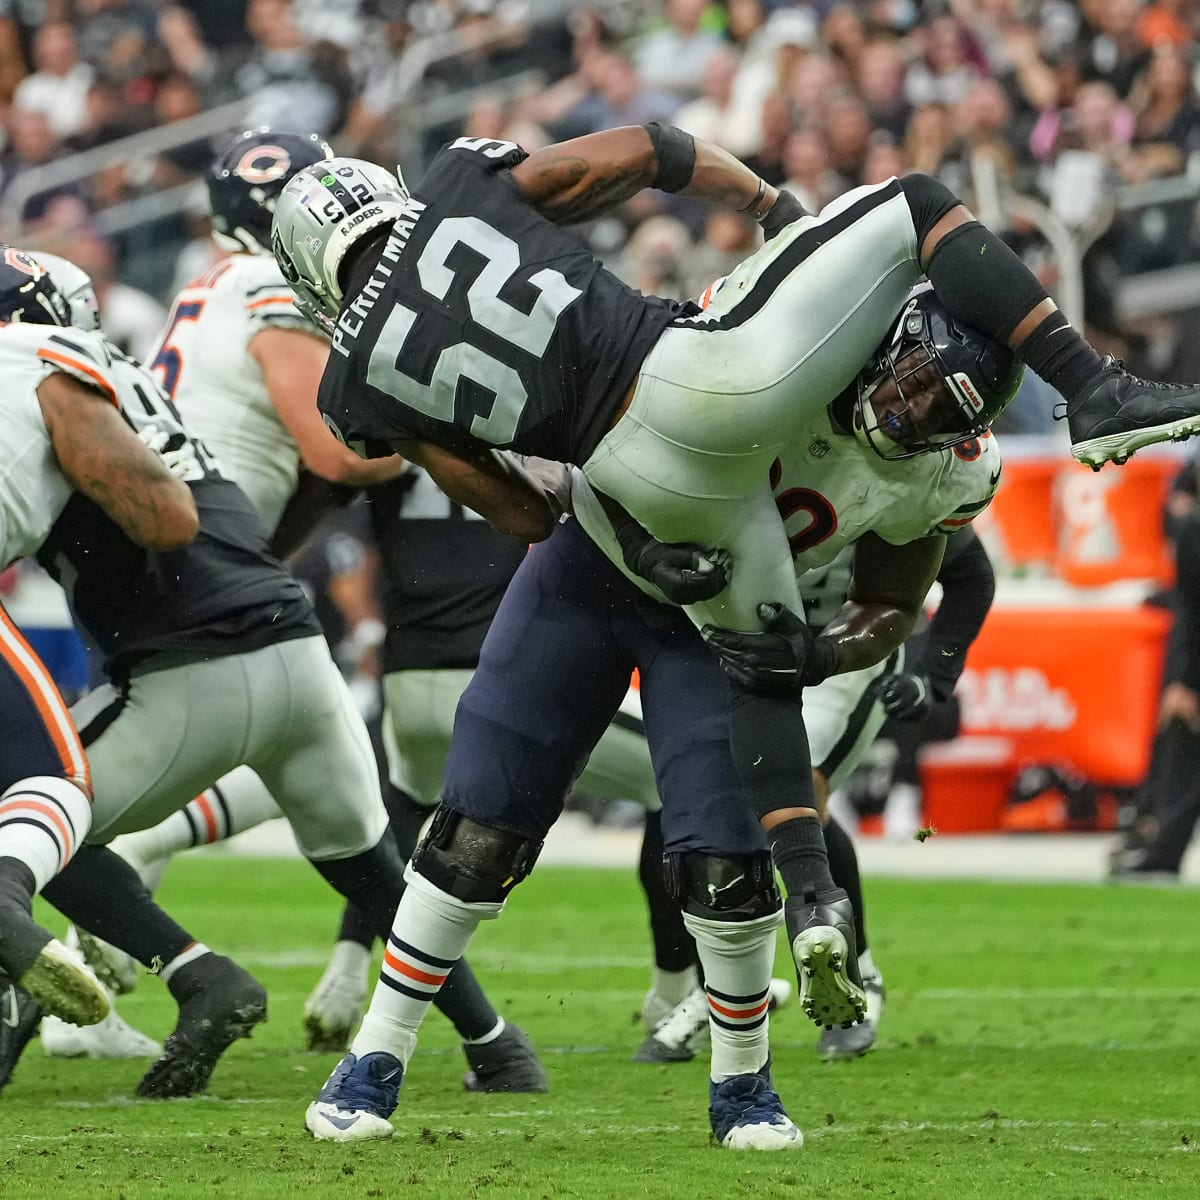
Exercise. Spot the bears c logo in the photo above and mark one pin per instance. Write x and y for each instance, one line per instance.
(263, 164)
(19, 260)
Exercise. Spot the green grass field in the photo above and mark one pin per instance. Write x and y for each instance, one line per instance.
(1039, 1041)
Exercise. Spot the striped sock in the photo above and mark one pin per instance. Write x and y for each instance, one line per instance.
(737, 957)
(430, 934)
(43, 820)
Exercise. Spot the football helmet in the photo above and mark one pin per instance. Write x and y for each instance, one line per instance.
(245, 181)
(77, 289)
(28, 293)
(321, 213)
(927, 346)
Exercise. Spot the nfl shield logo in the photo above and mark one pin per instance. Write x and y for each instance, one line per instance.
(818, 447)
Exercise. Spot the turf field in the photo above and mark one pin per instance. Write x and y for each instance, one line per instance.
(1040, 1041)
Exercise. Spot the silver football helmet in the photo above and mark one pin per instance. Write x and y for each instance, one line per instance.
(322, 212)
(76, 287)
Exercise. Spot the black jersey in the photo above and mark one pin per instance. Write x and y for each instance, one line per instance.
(222, 593)
(444, 573)
(482, 319)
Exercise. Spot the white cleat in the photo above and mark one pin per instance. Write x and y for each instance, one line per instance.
(112, 1037)
(856, 1040)
(677, 1036)
(781, 1133)
(328, 1123)
(65, 986)
(114, 968)
(336, 1005)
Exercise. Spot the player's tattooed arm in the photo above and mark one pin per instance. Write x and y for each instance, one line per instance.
(524, 497)
(102, 458)
(889, 590)
(582, 178)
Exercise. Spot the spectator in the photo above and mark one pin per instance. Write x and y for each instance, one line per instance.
(945, 69)
(1166, 127)
(1114, 53)
(929, 139)
(847, 137)
(728, 238)
(118, 40)
(806, 160)
(31, 143)
(654, 257)
(674, 57)
(879, 75)
(713, 115)
(59, 85)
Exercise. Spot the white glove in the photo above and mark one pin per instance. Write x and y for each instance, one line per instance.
(180, 460)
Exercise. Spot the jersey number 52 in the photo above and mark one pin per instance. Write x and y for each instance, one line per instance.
(528, 332)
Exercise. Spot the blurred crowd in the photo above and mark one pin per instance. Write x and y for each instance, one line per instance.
(1051, 99)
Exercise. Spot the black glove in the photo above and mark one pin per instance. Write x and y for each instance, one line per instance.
(683, 572)
(786, 656)
(784, 211)
(905, 697)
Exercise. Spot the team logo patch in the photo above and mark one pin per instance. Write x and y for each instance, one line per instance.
(22, 261)
(263, 164)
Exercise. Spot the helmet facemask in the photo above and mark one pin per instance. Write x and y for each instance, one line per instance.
(948, 383)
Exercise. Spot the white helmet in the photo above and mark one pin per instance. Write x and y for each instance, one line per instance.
(76, 287)
(322, 212)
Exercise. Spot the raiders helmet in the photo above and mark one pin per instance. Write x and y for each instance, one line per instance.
(321, 213)
(980, 377)
(28, 293)
(245, 181)
(77, 289)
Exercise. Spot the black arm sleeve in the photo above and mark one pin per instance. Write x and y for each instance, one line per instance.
(968, 586)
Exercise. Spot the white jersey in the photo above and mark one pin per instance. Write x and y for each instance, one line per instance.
(203, 361)
(33, 490)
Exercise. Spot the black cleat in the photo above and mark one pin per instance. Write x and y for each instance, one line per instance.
(219, 1002)
(509, 1063)
(1123, 413)
(821, 934)
(19, 1017)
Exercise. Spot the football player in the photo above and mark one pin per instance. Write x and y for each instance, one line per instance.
(63, 438)
(214, 637)
(242, 366)
(524, 725)
(464, 319)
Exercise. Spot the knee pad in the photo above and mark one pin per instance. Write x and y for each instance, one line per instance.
(474, 863)
(716, 887)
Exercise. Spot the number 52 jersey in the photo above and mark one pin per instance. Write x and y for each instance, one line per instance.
(482, 318)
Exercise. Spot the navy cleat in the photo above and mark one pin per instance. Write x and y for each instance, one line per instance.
(219, 1002)
(820, 931)
(357, 1099)
(1123, 413)
(507, 1063)
(19, 1017)
(746, 1114)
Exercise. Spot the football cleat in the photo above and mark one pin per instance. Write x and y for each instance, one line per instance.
(114, 968)
(113, 1037)
(1123, 413)
(357, 1099)
(680, 1033)
(507, 1063)
(65, 986)
(746, 1114)
(779, 992)
(841, 1042)
(19, 1016)
(219, 1002)
(335, 1007)
(821, 933)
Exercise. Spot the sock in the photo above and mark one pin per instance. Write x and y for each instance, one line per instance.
(843, 866)
(866, 964)
(374, 882)
(902, 812)
(182, 959)
(1060, 356)
(43, 820)
(349, 958)
(674, 950)
(103, 894)
(236, 802)
(798, 848)
(21, 939)
(491, 1035)
(356, 926)
(431, 933)
(671, 987)
(737, 958)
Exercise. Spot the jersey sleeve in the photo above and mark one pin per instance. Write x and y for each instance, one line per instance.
(488, 154)
(268, 301)
(85, 358)
(975, 476)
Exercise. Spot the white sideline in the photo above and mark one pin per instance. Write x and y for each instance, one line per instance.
(575, 841)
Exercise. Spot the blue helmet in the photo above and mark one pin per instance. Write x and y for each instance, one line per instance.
(28, 294)
(247, 177)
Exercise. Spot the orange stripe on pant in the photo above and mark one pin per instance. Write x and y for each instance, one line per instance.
(401, 967)
(48, 701)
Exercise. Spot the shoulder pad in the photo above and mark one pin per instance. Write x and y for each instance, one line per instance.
(84, 356)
